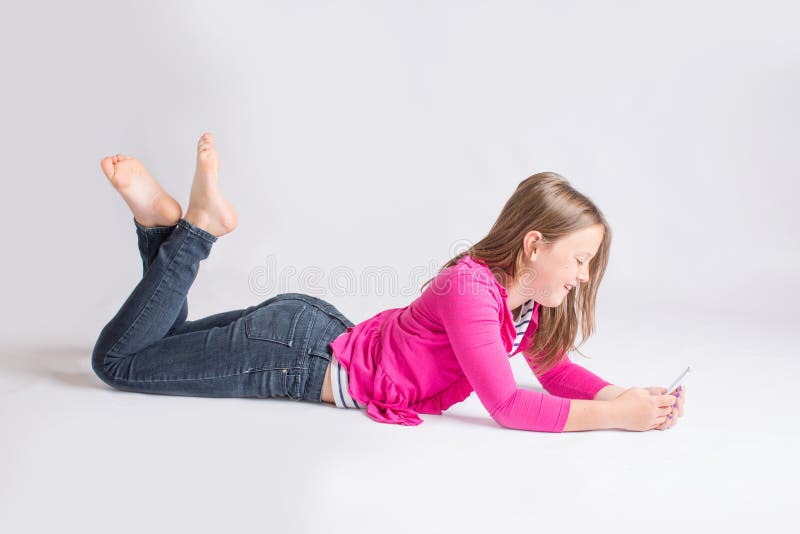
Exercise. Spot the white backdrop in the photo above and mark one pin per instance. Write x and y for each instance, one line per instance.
(378, 137)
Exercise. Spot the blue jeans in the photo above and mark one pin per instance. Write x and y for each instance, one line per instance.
(278, 348)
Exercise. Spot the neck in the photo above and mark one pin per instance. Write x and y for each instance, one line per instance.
(516, 298)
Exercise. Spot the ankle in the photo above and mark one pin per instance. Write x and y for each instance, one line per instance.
(198, 218)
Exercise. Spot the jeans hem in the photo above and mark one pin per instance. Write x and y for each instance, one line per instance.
(208, 236)
(159, 229)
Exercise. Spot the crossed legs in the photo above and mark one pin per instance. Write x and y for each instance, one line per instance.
(148, 345)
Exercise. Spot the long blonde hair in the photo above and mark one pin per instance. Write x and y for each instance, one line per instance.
(546, 202)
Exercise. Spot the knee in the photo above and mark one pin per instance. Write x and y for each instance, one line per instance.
(98, 362)
(100, 365)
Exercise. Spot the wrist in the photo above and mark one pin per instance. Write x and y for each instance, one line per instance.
(612, 414)
(609, 392)
(590, 415)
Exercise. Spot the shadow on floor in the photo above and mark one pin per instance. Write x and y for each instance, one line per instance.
(23, 366)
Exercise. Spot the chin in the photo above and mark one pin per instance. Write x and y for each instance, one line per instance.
(551, 302)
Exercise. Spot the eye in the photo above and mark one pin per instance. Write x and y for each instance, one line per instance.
(580, 263)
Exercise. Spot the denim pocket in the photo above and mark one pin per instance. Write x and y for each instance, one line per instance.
(275, 322)
(284, 383)
(293, 384)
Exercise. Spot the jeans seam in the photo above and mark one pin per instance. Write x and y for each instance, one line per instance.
(304, 347)
(324, 336)
(158, 288)
(146, 250)
(207, 236)
(131, 381)
(298, 296)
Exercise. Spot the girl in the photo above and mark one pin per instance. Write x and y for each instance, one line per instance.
(536, 272)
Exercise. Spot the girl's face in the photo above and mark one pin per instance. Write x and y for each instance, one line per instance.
(565, 262)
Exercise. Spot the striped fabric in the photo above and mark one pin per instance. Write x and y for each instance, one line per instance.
(339, 379)
(339, 384)
(521, 322)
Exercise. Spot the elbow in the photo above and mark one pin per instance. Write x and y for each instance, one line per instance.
(536, 425)
(527, 410)
(502, 419)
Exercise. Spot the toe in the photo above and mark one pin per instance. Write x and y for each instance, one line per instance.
(107, 164)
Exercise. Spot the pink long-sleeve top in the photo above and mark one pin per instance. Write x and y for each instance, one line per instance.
(455, 338)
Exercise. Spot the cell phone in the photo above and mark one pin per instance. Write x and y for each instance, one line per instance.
(679, 381)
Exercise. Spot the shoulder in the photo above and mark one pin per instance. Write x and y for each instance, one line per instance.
(469, 279)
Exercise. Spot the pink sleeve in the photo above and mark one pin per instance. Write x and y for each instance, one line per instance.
(570, 380)
(470, 312)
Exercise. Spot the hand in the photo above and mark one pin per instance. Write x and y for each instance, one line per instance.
(677, 410)
(639, 409)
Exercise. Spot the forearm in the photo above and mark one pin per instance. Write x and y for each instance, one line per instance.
(530, 410)
(589, 415)
(572, 381)
(609, 392)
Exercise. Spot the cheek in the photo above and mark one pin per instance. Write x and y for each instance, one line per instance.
(558, 274)
(545, 281)
(570, 271)
(550, 281)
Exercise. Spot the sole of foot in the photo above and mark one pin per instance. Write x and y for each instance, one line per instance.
(150, 204)
(208, 209)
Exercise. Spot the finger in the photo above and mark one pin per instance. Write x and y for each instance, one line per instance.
(673, 416)
(663, 420)
(668, 415)
(658, 424)
(662, 425)
(656, 427)
(667, 400)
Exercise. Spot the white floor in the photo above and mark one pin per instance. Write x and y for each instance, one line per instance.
(77, 453)
(374, 140)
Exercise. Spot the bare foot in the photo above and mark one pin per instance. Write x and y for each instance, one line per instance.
(207, 209)
(150, 204)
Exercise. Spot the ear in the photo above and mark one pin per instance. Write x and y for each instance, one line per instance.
(530, 243)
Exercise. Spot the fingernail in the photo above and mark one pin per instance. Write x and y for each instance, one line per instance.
(677, 394)
(670, 416)
(675, 406)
